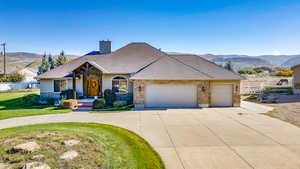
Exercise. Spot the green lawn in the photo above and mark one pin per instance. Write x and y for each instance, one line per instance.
(118, 147)
(11, 106)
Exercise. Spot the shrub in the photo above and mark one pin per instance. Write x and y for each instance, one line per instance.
(14, 77)
(109, 97)
(67, 94)
(246, 71)
(284, 73)
(290, 91)
(30, 100)
(119, 104)
(69, 104)
(99, 103)
(50, 101)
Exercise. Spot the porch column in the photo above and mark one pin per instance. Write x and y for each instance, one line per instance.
(74, 85)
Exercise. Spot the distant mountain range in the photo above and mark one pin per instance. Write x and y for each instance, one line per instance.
(242, 61)
(19, 60)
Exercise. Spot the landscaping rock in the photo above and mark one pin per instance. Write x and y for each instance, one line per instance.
(71, 142)
(69, 155)
(3, 166)
(45, 135)
(26, 147)
(36, 165)
(38, 157)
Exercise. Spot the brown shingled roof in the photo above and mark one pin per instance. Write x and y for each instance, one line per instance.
(147, 62)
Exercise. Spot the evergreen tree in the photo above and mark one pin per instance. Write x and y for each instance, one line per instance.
(51, 62)
(61, 59)
(44, 67)
(229, 66)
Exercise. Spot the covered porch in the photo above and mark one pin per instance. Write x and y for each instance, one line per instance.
(91, 75)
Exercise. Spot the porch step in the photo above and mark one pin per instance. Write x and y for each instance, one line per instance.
(85, 104)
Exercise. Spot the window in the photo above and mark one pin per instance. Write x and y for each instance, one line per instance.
(60, 85)
(120, 85)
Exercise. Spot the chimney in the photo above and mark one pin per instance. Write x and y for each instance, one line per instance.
(105, 46)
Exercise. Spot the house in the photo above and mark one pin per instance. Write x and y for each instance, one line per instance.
(149, 76)
(29, 74)
(296, 78)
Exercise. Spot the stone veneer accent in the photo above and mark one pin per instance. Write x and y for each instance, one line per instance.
(203, 90)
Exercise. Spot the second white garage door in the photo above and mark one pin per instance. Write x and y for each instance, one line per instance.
(167, 95)
(221, 95)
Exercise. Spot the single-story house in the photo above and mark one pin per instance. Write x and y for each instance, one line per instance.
(151, 77)
(296, 78)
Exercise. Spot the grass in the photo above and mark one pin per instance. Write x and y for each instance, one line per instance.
(11, 106)
(105, 146)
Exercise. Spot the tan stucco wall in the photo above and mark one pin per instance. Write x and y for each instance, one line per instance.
(296, 77)
(203, 90)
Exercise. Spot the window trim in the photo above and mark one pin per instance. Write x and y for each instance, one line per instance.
(60, 87)
(124, 78)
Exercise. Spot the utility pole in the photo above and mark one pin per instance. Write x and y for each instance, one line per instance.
(4, 60)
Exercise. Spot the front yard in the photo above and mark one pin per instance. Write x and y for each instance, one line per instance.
(287, 109)
(74, 146)
(11, 106)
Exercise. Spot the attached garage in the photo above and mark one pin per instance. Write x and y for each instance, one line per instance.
(221, 95)
(170, 95)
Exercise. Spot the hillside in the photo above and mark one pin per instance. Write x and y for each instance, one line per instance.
(19, 60)
(242, 62)
(277, 59)
(291, 62)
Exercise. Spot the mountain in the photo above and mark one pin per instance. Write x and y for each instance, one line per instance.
(277, 59)
(291, 62)
(19, 60)
(242, 62)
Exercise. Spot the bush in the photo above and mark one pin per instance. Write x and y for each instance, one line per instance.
(50, 101)
(119, 104)
(246, 71)
(69, 104)
(14, 77)
(99, 103)
(67, 94)
(283, 73)
(30, 100)
(109, 97)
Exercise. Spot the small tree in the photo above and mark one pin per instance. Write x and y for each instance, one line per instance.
(61, 59)
(229, 66)
(44, 67)
(51, 62)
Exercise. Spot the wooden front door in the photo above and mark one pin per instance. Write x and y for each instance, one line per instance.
(93, 87)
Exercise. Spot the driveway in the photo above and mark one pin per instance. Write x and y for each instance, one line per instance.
(209, 138)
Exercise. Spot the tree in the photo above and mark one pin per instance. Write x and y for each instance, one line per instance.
(51, 62)
(61, 59)
(229, 66)
(44, 67)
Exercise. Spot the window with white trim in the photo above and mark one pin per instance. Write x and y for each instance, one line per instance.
(60, 85)
(120, 84)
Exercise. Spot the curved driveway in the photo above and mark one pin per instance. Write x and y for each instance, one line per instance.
(210, 138)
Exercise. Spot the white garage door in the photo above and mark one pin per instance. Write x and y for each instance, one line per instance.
(221, 95)
(167, 95)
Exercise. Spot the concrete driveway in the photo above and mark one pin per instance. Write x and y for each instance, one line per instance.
(210, 138)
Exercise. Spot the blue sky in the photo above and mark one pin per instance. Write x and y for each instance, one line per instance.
(253, 27)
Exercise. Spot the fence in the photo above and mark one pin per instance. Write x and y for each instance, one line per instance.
(18, 85)
(256, 86)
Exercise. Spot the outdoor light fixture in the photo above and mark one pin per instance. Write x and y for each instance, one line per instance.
(203, 88)
(140, 88)
(236, 88)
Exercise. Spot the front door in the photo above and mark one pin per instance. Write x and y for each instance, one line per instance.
(93, 87)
